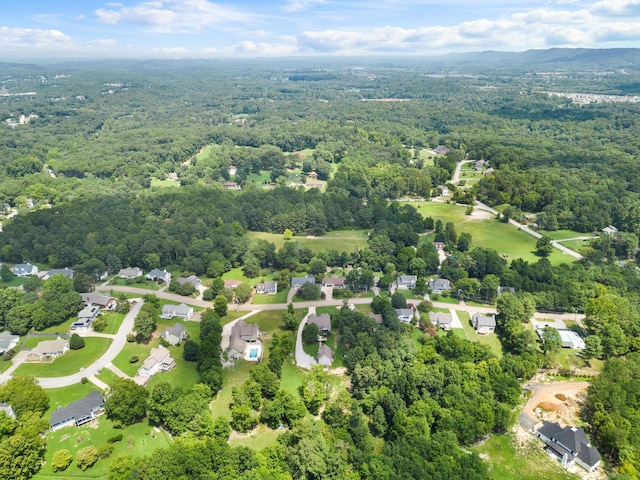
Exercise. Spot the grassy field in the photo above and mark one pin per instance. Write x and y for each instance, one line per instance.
(138, 440)
(124, 282)
(260, 438)
(488, 232)
(341, 240)
(491, 339)
(231, 377)
(114, 320)
(280, 297)
(141, 350)
(509, 461)
(563, 234)
(69, 363)
(107, 376)
(292, 377)
(156, 183)
(259, 178)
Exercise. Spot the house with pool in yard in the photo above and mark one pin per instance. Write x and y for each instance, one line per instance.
(245, 342)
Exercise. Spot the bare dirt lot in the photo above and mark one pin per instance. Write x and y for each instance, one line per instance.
(556, 402)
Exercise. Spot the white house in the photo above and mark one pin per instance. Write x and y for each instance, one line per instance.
(180, 311)
(483, 323)
(159, 360)
(157, 275)
(134, 272)
(25, 270)
(405, 315)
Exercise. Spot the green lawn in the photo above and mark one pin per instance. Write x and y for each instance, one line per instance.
(63, 396)
(510, 461)
(61, 328)
(114, 320)
(141, 350)
(330, 310)
(260, 178)
(490, 339)
(15, 282)
(261, 438)
(156, 183)
(138, 440)
(341, 240)
(69, 363)
(238, 274)
(108, 377)
(563, 234)
(311, 349)
(488, 232)
(292, 377)
(280, 297)
(267, 320)
(576, 245)
(31, 341)
(124, 282)
(231, 377)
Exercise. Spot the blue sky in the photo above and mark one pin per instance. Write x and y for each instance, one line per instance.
(253, 28)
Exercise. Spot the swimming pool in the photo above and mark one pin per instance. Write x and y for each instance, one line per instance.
(253, 353)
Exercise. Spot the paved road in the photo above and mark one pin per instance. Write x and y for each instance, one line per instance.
(303, 360)
(118, 343)
(456, 174)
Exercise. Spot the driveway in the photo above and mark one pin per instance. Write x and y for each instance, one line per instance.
(303, 360)
(455, 321)
(226, 330)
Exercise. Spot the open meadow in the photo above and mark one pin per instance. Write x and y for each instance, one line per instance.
(341, 240)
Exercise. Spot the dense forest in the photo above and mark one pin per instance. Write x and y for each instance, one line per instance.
(79, 187)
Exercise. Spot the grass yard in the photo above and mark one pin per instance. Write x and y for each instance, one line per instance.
(108, 377)
(156, 183)
(231, 377)
(31, 341)
(330, 310)
(71, 362)
(280, 297)
(142, 283)
(341, 240)
(260, 178)
(113, 320)
(409, 295)
(488, 232)
(509, 461)
(268, 320)
(311, 349)
(364, 308)
(141, 350)
(260, 438)
(138, 440)
(292, 377)
(490, 339)
(59, 329)
(238, 274)
(576, 245)
(15, 282)
(63, 396)
(563, 234)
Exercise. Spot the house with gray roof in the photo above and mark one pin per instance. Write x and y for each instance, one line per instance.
(129, 272)
(570, 445)
(157, 275)
(48, 350)
(325, 356)
(483, 324)
(242, 334)
(441, 320)
(86, 316)
(102, 301)
(439, 285)
(376, 317)
(79, 412)
(8, 341)
(407, 282)
(323, 321)
(297, 282)
(174, 335)
(191, 280)
(67, 272)
(180, 311)
(25, 270)
(405, 315)
(267, 288)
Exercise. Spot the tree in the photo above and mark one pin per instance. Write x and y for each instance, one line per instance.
(25, 395)
(21, 456)
(544, 246)
(310, 333)
(309, 291)
(86, 457)
(76, 342)
(190, 352)
(592, 348)
(288, 234)
(489, 287)
(127, 403)
(551, 341)
(6, 275)
(242, 418)
(398, 300)
(243, 292)
(220, 305)
(61, 460)
(268, 381)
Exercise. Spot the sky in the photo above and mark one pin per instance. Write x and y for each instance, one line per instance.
(81, 29)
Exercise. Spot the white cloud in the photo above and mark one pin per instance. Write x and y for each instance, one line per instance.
(21, 37)
(170, 16)
(616, 7)
(171, 50)
(103, 42)
(285, 47)
(300, 5)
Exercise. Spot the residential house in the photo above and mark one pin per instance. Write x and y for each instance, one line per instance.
(232, 170)
(231, 186)
(174, 335)
(8, 341)
(407, 282)
(569, 338)
(325, 356)
(333, 282)
(243, 335)
(180, 311)
(478, 165)
(609, 230)
(232, 284)
(134, 272)
(502, 290)
(102, 301)
(570, 445)
(157, 275)
(441, 320)
(405, 315)
(191, 279)
(297, 282)
(48, 350)
(483, 324)
(86, 316)
(313, 175)
(159, 360)
(441, 150)
(79, 412)
(323, 321)
(67, 272)
(377, 317)
(25, 270)
(439, 285)
(267, 288)
(488, 171)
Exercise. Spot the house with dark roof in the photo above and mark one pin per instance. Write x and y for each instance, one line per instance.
(439, 285)
(157, 275)
(405, 315)
(102, 301)
(267, 288)
(483, 324)
(325, 356)
(191, 280)
(176, 334)
(79, 412)
(407, 282)
(86, 316)
(323, 321)
(180, 311)
(441, 320)
(67, 272)
(570, 445)
(25, 270)
(242, 336)
(297, 282)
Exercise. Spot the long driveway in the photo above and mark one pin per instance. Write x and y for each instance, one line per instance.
(304, 360)
(117, 344)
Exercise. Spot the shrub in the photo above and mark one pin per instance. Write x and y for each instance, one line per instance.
(105, 450)
(61, 460)
(86, 457)
(133, 359)
(117, 438)
(190, 352)
(9, 354)
(84, 380)
(131, 338)
(310, 333)
(76, 342)
(99, 324)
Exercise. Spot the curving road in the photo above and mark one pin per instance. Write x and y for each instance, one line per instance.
(304, 360)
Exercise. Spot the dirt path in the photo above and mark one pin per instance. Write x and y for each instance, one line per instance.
(560, 399)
